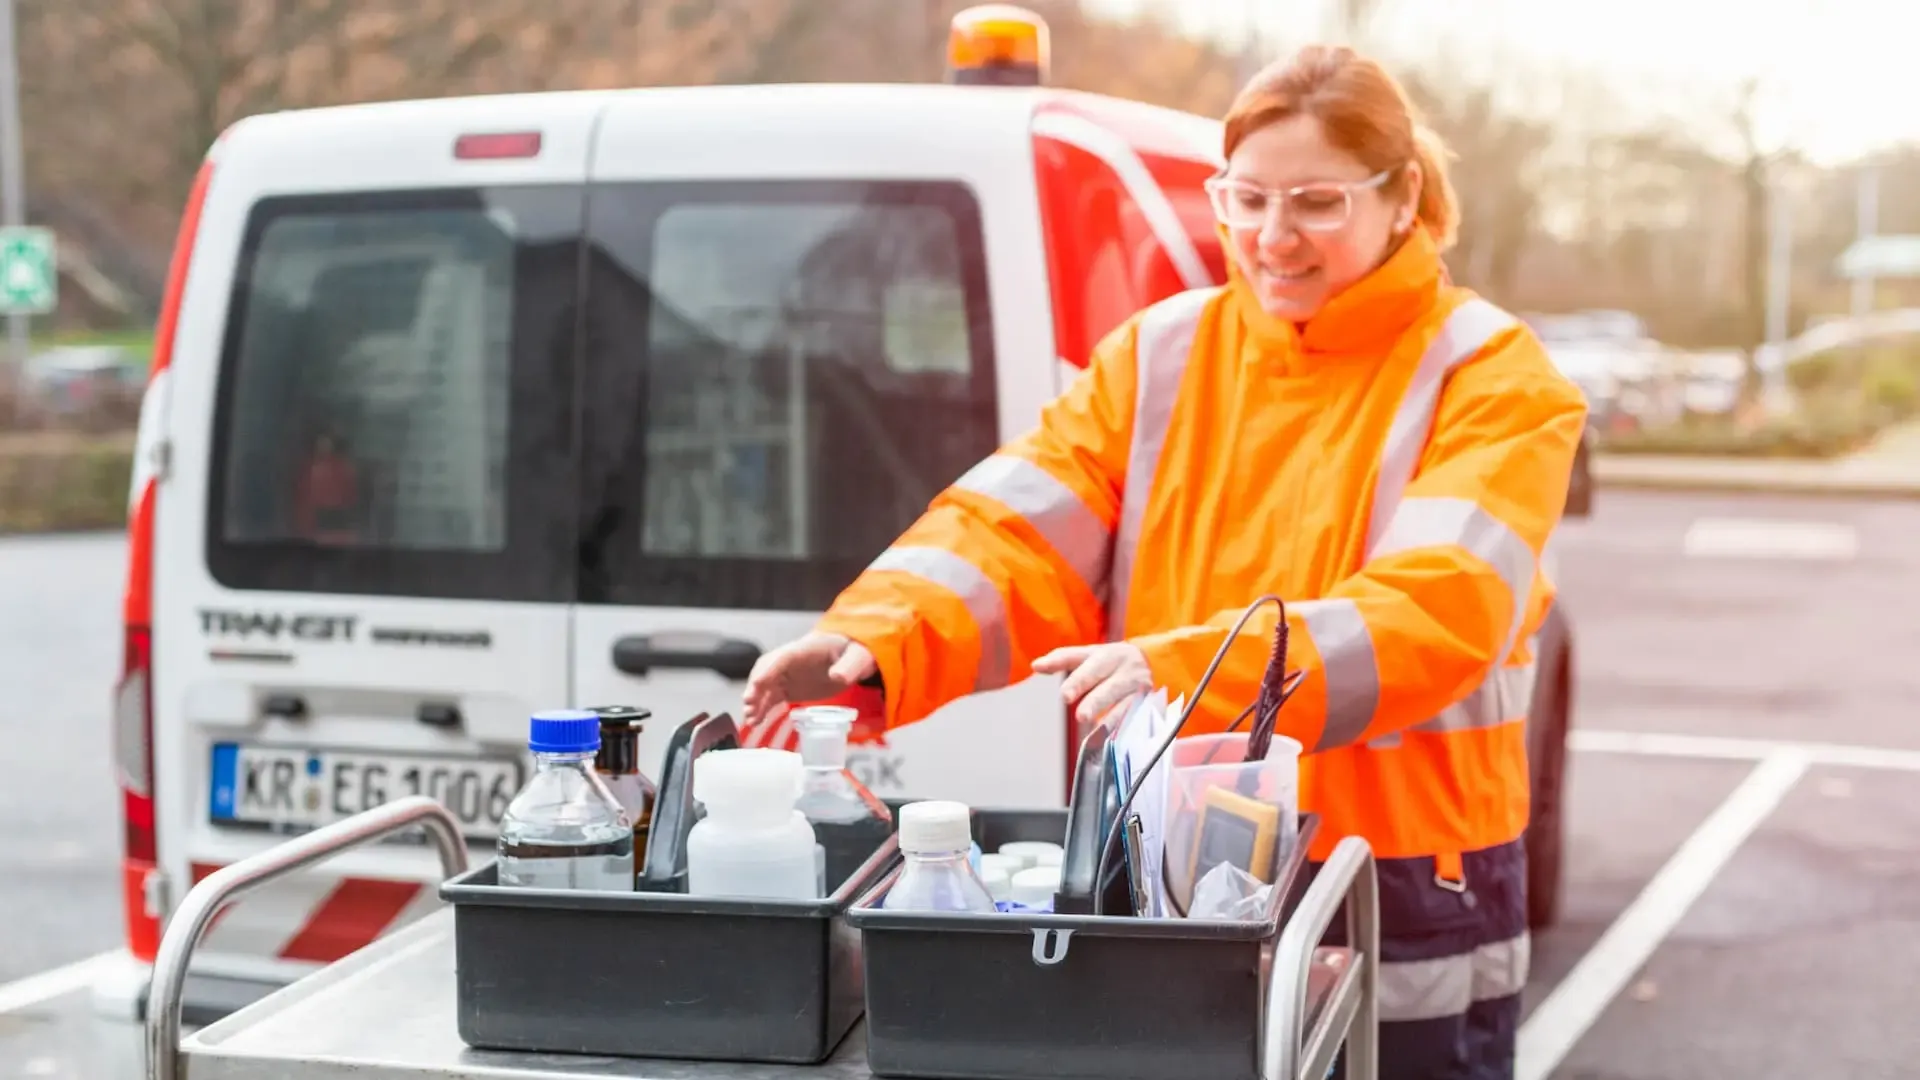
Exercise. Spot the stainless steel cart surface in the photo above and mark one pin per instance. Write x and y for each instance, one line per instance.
(388, 1011)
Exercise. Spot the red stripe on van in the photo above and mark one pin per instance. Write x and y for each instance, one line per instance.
(353, 915)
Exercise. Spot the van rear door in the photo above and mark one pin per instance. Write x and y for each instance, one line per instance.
(364, 554)
(805, 320)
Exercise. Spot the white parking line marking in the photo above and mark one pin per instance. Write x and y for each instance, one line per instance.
(1605, 970)
(47, 985)
(1740, 538)
(1727, 748)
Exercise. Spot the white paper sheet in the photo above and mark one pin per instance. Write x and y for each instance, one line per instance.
(1148, 726)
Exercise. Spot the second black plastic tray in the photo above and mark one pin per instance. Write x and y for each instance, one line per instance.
(1051, 997)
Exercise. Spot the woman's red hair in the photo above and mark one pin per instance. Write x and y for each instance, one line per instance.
(1364, 112)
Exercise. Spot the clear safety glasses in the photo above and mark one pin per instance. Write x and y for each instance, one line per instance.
(1321, 207)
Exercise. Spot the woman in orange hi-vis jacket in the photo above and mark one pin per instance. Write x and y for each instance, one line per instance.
(1338, 425)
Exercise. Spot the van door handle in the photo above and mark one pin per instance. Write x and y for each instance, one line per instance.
(637, 654)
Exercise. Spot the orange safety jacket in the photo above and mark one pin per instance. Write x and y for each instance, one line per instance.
(1391, 469)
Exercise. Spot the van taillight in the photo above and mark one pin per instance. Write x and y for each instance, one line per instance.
(504, 144)
(133, 756)
(133, 741)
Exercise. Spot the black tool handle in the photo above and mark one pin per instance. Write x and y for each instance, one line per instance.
(665, 869)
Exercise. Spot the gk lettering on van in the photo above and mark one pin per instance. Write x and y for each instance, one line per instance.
(880, 772)
(274, 626)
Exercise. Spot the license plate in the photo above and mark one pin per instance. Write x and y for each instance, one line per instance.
(304, 789)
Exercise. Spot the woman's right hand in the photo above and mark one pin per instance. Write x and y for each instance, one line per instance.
(816, 666)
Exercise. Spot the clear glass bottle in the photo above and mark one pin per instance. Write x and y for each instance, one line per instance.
(618, 763)
(565, 829)
(938, 876)
(848, 819)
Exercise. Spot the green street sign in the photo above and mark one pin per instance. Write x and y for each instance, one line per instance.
(29, 272)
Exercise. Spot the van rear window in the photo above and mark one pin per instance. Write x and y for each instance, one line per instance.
(395, 405)
(780, 375)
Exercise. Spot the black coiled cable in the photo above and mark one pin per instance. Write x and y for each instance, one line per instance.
(1275, 688)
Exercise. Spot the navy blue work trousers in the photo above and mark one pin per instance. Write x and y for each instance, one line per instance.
(1453, 961)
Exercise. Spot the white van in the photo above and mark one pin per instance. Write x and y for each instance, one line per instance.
(464, 408)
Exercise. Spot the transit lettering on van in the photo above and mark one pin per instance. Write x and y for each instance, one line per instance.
(272, 625)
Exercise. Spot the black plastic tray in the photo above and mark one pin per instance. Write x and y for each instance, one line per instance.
(1054, 996)
(656, 974)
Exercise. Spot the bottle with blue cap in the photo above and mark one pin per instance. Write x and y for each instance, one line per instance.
(566, 829)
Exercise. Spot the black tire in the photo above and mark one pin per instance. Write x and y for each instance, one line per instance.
(1546, 832)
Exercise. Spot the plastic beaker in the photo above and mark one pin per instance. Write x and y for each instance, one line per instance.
(1223, 808)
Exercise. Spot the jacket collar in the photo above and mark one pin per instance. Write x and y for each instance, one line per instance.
(1361, 323)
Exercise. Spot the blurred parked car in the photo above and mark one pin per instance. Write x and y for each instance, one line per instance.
(96, 386)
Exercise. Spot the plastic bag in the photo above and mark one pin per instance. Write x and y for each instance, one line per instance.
(1230, 894)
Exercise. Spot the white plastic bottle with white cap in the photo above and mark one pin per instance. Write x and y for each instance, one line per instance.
(1032, 853)
(1033, 888)
(753, 842)
(934, 839)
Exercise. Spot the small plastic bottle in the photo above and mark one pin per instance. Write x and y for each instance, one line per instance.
(1032, 853)
(753, 842)
(848, 819)
(618, 763)
(1033, 888)
(565, 829)
(1005, 865)
(938, 876)
(999, 883)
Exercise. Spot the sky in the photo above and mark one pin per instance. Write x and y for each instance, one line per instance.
(1835, 84)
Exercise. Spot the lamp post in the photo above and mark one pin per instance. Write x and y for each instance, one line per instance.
(13, 193)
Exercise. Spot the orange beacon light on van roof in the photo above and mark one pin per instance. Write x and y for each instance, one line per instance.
(997, 45)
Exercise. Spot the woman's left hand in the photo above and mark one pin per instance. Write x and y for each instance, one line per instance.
(1099, 677)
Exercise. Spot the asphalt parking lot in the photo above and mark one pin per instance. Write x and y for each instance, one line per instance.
(1744, 871)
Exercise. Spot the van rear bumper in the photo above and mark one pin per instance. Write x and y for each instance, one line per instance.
(119, 993)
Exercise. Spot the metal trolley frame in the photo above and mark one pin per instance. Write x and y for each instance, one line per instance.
(387, 1011)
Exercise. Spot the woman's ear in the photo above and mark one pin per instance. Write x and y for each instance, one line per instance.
(1416, 180)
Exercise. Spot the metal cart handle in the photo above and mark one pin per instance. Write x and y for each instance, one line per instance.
(189, 923)
(1347, 875)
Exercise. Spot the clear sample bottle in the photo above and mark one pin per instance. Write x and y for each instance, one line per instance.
(618, 763)
(565, 829)
(753, 841)
(938, 875)
(849, 821)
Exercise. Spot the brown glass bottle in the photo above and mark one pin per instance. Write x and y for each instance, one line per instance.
(618, 762)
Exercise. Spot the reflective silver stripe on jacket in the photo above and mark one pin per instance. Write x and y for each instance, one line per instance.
(1449, 985)
(976, 590)
(1502, 699)
(1348, 664)
(1163, 343)
(1426, 521)
(1470, 328)
(1061, 517)
(1340, 634)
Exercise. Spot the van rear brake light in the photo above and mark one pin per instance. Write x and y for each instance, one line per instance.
(496, 145)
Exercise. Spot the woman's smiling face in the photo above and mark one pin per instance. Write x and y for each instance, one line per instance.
(1305, 219)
